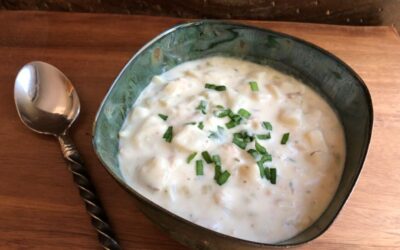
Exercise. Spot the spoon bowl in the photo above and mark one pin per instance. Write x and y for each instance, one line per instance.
(45, 98)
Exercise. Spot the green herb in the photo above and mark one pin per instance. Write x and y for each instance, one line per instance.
(230, 124)
(285, 138)
(261, 168)
(223, 177)
(201, 125)
(220, 88)
(249, 139)
(216, 159)
(241, 134)
(191, 157)
(199, 167)
(202, 107)
(219, 107)
(209, 86)
(244, 113)
(253, 153)
(264, 136)
(215, 87)
(164, 117)
(266, 157)
(267, 125)
(168, 134)
(260, 148)
(267, 173)
(222, 113)
(206, 157)
(235, 119)
(272, 172)
(241, 139)
(217, 172)
(239, 142)
(190, 123)
(219, 176)
(253, 86)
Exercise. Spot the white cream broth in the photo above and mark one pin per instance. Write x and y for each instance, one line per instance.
(308, 167)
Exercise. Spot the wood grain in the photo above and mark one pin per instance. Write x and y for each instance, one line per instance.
(39, 205)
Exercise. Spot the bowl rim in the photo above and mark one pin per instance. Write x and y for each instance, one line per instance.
(200, 22)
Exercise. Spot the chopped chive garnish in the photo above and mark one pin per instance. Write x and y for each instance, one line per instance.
(236, 119)
(239, 142)
(266, 157)
(243, 135)
(206, 157)
(244, 113)
(241, 139)
(260, 148)
(168, 134)
(261, 168)
(249, 139)
(217, 172)
(199, 167)
(234, 116)
(264, 136)
(267, 173)
(209, 86)
(220, 88)
(253, 86)
(201, 125)
(219, 176)
(164, 117)
(219, 107)
(223, 177)
(230, 124)
(215, 87)
(202, 107)
(190, 123)
(253, 153)
(191, 157)
(267, 125)
(272, 172)
(216, 159)
(222, 113)
(285, 138)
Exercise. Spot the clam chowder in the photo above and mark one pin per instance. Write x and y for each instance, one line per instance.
(234, 146)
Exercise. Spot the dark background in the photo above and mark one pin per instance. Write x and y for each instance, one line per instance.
(356, 12)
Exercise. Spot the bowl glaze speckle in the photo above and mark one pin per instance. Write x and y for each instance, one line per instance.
(322, 71)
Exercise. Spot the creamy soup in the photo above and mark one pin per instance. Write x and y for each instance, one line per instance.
(235, 147)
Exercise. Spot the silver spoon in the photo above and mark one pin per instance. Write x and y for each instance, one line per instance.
(48, 104)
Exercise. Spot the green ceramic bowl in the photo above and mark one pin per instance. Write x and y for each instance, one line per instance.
(322, 71)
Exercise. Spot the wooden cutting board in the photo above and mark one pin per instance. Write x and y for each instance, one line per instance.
(39, 205)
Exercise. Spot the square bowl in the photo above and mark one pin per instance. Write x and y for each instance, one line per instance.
(340, 86)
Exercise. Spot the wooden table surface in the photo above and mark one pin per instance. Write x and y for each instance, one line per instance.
(39, 205)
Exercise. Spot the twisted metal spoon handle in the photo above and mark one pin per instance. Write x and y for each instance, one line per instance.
(88, 193)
